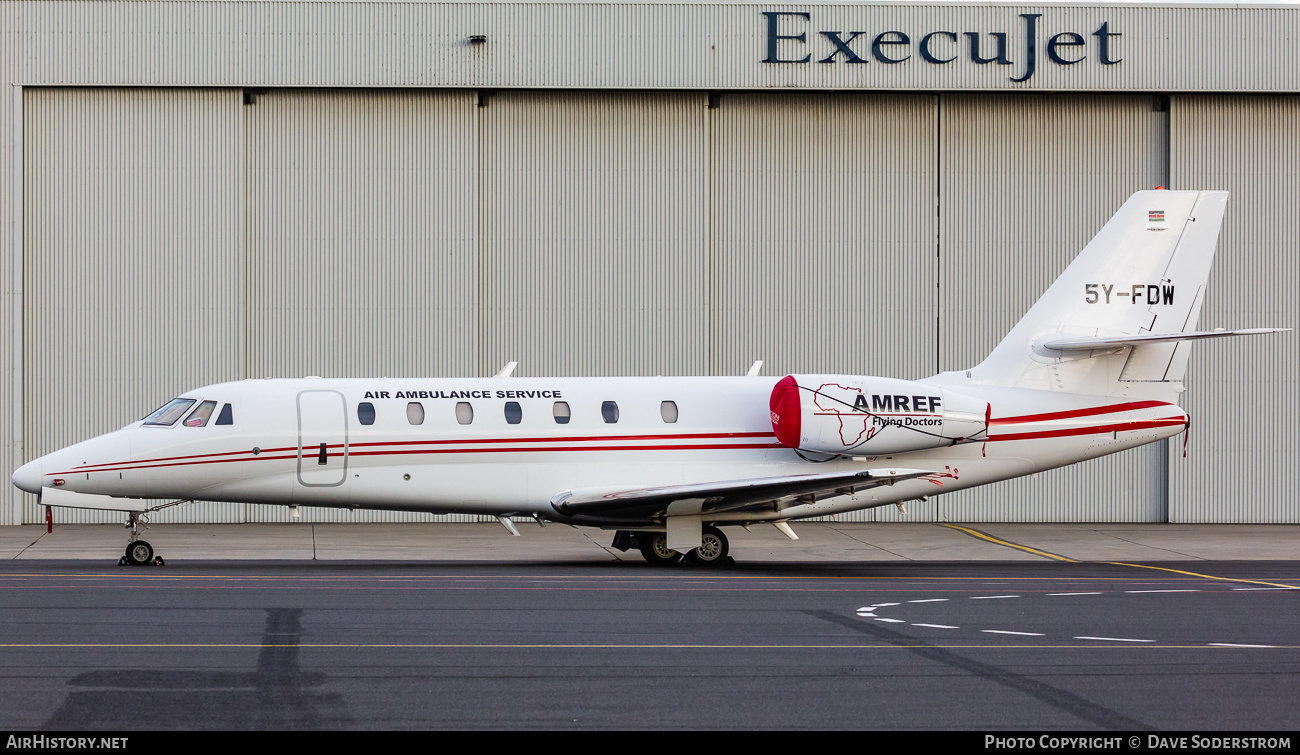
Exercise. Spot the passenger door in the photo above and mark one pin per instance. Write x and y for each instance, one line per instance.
(322, 438)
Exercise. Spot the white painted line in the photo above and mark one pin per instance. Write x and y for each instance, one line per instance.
(866, 614)
(936, 626)
(929, 600)
(883, 605)
(1263, 588)
(868, 609)
(1235, 645)
(1141, 591)
(1022, 634)
(1113, 639)
(891, 621)
(1074, 593)
(992, 597)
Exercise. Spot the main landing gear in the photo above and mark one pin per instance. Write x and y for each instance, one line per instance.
(654, 547)
(138, 552)
(712, 550)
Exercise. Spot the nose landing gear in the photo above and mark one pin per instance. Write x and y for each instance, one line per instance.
(138, 552)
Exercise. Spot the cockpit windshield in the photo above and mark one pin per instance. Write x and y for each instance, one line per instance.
(199, 417)
(168, 413)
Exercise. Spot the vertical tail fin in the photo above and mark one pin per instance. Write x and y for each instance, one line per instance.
(1143, 274)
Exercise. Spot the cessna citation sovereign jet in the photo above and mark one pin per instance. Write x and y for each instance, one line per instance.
(1095, 367)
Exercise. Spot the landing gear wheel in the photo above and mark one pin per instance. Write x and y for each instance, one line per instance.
(712, 550)
(654, 548)
(139, 553)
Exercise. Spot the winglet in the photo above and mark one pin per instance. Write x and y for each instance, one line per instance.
(507, 370)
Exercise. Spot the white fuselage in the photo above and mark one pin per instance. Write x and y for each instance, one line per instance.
(270, 452)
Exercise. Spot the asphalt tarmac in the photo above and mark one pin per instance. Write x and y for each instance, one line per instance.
(590, 642)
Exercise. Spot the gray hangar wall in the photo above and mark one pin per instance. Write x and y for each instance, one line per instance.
(174, 237)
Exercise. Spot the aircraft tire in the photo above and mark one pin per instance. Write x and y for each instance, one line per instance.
(713, 548)
(654, 549)
(139, 553)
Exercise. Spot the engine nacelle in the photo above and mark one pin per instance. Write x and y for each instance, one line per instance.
(871, 416)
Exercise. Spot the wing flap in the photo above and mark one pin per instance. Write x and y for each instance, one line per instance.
(716, 497)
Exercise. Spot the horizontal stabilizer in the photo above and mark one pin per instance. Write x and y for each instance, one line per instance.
(71, 500)
(1090, 344)
(732, 495)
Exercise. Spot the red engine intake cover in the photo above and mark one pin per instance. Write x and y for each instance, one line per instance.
(785, 411)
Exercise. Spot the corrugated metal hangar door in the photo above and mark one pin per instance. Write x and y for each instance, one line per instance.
(362, 233)
(1245, 419)
(822, 229)
(1026, 181)
(132, 273)
(594, 252)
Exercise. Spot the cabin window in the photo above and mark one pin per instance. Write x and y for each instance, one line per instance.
(464, 412)
(415, 413)
(199, 417)
(609, 412)
(366, 413)
(167, 414)
(561, 412)
(225, 417)
(668, 410)
(514, 413)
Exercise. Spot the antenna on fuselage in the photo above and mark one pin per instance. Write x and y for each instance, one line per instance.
(505, 371)
(755, 368)
(509, 525)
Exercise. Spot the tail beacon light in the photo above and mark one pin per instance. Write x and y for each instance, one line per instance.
(849, 414)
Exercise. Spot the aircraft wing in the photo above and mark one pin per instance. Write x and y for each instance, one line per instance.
(763, 493)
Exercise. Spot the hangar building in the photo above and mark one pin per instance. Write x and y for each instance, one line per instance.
(194, 192)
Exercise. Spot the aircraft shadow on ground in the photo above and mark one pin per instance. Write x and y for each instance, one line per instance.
(278, 695)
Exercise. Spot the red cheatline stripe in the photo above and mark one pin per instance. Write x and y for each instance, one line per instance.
(528, 449)
(576, 439)
(128, 465)
(524, 449)
(95, 467)
(868, 415)
(1089, 412)
(563, 439)
(1137, 424)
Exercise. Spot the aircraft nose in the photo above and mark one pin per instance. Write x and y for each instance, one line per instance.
(28, 476)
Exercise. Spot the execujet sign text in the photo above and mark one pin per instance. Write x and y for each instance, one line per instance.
(1063, 48)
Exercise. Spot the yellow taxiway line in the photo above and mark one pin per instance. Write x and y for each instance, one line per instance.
(1045, 554)
(561, 646)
